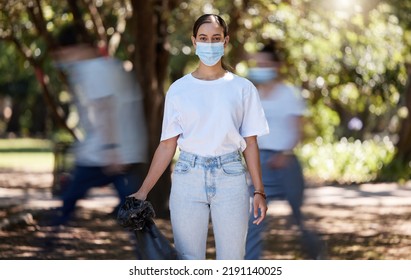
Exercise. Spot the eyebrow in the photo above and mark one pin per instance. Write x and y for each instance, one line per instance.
(212, 35)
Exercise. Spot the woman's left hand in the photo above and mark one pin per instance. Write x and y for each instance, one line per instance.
(259, 204)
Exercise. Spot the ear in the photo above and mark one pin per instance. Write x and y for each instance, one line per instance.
(193, 40)
(226, 40)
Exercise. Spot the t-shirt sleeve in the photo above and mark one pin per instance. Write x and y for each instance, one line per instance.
(171, 120)
(254, 121)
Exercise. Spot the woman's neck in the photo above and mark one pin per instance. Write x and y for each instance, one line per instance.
(209, 73)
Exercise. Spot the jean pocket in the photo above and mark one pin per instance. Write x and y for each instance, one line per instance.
(181, 167)
(233, 168)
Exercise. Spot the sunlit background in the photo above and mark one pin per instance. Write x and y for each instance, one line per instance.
(350, 58)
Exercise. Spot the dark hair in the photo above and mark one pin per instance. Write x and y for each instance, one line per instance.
(71, 34)
(207, 18)
(272, 48)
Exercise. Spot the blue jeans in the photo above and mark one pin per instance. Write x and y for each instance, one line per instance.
(86, 177)
(209, 185)
(280, 183)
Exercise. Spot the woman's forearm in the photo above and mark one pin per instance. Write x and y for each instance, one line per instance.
(252, 158)
(161, 159)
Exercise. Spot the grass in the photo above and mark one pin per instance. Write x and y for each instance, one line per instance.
(26, 154)
(35, 162)
(25, 144)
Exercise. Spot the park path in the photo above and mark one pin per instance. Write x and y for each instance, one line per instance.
(368, 221)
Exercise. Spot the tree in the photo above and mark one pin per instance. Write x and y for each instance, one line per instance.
(400, 166)
(148, 24)
(350, 62)
(30, 25)
(23, 25)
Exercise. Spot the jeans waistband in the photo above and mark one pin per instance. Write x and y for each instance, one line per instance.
(194, 159)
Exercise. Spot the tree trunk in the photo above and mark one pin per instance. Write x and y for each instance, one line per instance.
(404, 143)
(399, 167)
(148, 25)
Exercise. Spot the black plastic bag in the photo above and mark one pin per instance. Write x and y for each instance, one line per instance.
(137, 215)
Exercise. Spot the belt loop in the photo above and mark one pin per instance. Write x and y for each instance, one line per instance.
(219, 162)
(193, 160)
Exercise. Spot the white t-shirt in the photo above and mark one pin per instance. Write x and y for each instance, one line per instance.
(281, 107)
(213, 117)
(104, 91)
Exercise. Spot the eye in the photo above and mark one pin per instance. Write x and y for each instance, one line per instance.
(216, 39)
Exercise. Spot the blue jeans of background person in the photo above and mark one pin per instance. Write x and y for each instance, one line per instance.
(85, 177)
(281, 183)
(209, 185)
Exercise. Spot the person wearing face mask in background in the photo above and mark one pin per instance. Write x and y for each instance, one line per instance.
(214, 117)
(281, 171)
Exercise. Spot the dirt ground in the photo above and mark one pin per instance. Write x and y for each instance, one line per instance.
(371, 221)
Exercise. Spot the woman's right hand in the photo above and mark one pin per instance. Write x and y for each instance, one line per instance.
(139, 195)
(161, 159)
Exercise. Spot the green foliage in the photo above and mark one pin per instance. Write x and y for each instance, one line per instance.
(346, 161)
(353, 61)
(349, 59)
(321, 122)
(396, 171)
(62, 136)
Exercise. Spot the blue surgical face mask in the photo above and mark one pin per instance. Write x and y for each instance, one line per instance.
(210, 53)
(262, 75)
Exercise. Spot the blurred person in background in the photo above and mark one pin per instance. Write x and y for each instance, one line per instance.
(113, 149)
(281, 171)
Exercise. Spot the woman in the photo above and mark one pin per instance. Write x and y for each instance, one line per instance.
(281, 171)
(214, 117)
